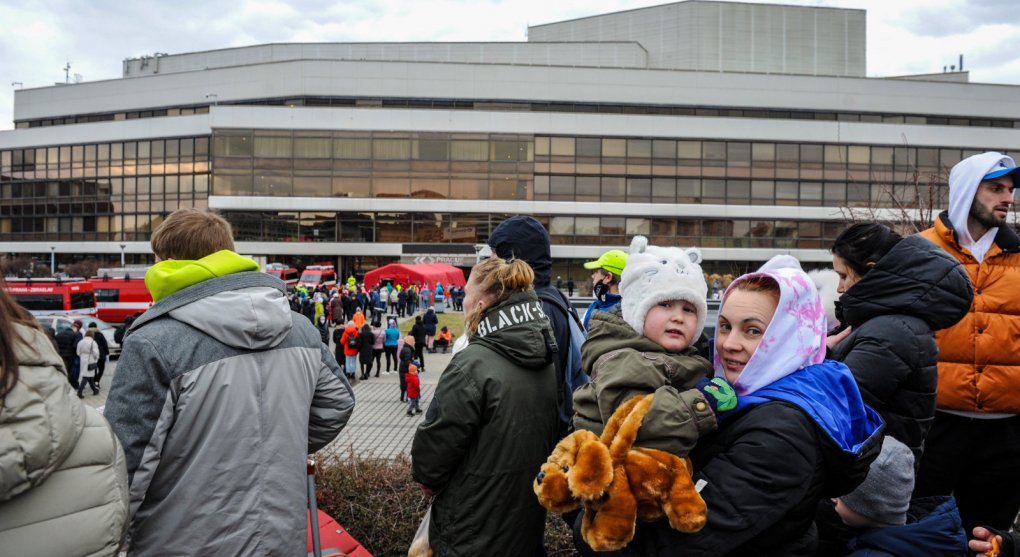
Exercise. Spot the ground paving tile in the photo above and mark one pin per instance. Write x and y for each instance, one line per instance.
(379, 426)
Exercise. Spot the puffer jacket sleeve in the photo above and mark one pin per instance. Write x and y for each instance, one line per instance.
(881, 355)
(40, 420)
(441, 443)
(676, 418)
(332, 403)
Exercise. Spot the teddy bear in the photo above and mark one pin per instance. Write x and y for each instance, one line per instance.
(617, 483)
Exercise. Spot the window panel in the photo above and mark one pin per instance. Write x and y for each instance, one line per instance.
(462, 150)
(313, 147)
(432, 149)
(224, 146)
(391, 149)
(356, 149)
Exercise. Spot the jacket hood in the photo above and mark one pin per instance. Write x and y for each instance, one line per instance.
(933, 529)
(915, 278)
(524, 238)
(964, 179)
(246, 310)
(608, 331)
(166, 277)
(41, 419)
(519, 330)
(793, 340)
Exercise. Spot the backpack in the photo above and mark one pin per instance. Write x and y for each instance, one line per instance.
(352, 341)
(572, 375)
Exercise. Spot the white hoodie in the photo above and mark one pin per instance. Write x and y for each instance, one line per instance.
(964, 179)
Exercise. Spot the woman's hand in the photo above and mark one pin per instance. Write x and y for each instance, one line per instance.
(832, 341)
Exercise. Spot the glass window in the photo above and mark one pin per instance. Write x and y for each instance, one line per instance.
(310, 186)
(763, 152)
(272, 147)
(351, 186)
(614, 147)
(834, 194)
(273, 185)
(637, 226)
(664, 149)
(714, 151)
(561, 226)
(882, 156)
(391, 187)
(639, 190)
(738, 191)
(786, 191)
(541, 145)
(613, 189)
(514, 150)
(469, 188)
(811, 153)
(432, 149)
(639, 148)
(561, 188)
(586, 226)
(857, 154)
(587, 188)
(613, 226)
(811, 192)
(356, 149)
(738, 154)
(463, 150)
(688, 190)
(312, 147)
(225, 146)
(663, 190)
(561, 146)
(391, 149)
(589, 147)
(688, 150)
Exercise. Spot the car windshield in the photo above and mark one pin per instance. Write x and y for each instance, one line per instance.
(311, 276)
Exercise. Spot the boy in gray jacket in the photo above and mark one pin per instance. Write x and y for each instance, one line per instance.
(220, 393)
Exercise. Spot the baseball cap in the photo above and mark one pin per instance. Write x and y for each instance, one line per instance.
(1001, 168)
(613, 261)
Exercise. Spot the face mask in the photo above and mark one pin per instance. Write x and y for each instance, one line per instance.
(600, 290)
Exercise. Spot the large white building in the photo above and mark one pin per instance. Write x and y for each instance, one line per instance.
(747, 130)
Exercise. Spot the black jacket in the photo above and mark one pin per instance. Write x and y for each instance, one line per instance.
(492, 422)
(104, 347)
(765, 472)
(67, 344)
(916, 289)
(418, 332)
(365, 342)
(525, 238)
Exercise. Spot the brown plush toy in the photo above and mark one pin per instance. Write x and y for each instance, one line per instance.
(618, 483)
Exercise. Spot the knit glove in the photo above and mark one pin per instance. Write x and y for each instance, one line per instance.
(718, 394)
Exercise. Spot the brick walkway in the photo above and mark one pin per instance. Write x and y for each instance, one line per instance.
(379, 426)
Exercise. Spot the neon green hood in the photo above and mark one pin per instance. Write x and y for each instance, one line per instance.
(166, 277)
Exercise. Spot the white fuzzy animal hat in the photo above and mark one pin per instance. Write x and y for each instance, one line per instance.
(655, 274)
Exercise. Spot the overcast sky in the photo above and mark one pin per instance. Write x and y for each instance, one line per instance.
(38, 38)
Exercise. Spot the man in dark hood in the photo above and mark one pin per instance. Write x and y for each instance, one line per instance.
(525, 238)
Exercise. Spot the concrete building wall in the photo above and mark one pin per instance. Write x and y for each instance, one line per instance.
(421, 80)
(619, 54)
(730, 37)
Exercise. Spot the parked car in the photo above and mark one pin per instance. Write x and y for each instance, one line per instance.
(58, 323)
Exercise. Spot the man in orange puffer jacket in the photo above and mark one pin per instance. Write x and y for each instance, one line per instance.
(973, 448)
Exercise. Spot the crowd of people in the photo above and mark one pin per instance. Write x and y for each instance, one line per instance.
(894, 431)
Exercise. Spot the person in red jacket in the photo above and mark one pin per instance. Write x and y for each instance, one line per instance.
(349, 342)
(413, 390)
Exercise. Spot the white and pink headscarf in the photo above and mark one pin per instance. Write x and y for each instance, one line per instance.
(793, 340)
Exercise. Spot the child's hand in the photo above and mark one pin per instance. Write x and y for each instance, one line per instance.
(718, 394)
(990, 543)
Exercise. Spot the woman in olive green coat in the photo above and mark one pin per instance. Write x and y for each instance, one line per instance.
(492, 421)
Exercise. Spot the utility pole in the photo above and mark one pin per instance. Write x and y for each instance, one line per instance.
(67, 72)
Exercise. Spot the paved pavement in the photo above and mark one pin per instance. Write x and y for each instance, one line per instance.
(379, 427)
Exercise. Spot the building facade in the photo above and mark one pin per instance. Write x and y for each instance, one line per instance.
(363, 154)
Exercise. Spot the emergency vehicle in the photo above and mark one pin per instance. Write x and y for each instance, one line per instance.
(289, 275)
(318, 275)
(51, 296)
(121, 292)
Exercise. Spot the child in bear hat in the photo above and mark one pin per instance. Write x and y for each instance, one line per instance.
(885, 521)
(645, 345)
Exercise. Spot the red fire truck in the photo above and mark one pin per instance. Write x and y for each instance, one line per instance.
(318, 275)
(121, 292)
(289, 275)
(51, 296)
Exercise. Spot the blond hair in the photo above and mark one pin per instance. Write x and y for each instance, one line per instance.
(192, 234)
(498, 279)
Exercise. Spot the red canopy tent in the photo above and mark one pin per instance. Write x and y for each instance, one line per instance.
(419, 273)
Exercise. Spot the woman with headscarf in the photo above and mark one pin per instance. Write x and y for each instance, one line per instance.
(801, 431)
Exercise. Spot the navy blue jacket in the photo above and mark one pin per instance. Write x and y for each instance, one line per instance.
(933, 529)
